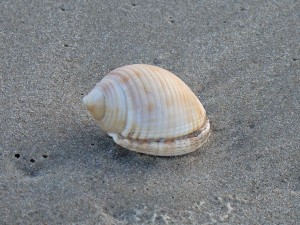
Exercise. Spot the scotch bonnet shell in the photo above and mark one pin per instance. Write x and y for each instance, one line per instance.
(148, 109)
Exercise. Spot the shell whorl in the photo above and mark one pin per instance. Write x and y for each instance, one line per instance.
(144, 103)
(95, 103)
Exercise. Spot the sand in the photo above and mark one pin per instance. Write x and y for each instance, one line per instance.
(241, 59)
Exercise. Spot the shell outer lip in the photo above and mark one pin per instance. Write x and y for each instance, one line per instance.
(161, 147)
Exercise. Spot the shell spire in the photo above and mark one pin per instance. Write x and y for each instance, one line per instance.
(95, 103)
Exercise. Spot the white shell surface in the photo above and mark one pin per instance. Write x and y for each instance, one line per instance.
(150, 110)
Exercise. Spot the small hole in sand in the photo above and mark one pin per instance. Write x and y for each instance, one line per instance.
(62, 8)
(156, 61)
(252, 125)
(45, 156)
(66, 45)
(32, 160)
(17, 155)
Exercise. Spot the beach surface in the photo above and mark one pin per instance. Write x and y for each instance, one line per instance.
(242, 59)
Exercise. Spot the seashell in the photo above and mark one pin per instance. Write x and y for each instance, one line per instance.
(148, 109)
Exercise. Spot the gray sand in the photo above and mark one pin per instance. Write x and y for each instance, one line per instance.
(241, 59)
